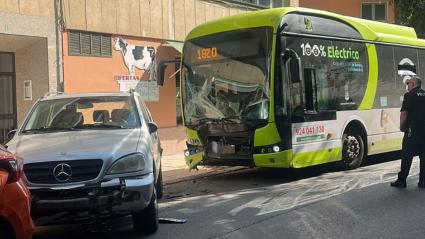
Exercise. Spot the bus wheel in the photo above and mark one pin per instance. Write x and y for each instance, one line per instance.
(352, 150)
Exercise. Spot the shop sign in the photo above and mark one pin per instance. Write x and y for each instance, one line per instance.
(149, 90)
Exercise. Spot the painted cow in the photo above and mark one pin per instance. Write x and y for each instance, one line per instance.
(142, 57)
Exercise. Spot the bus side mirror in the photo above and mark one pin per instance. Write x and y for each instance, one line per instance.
(161, 70)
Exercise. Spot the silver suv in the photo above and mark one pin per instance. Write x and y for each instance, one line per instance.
(89, 156)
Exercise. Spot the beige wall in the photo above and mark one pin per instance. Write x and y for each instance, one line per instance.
(162, 19)
(31, 64)
(43, 8)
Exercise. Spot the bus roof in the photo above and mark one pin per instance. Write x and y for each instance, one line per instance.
(369, 30)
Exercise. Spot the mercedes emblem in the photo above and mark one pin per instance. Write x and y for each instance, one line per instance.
(62, 172)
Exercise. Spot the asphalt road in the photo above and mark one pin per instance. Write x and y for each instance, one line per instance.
(259, 203)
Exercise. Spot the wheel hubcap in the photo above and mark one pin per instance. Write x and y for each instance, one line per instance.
(352, 147)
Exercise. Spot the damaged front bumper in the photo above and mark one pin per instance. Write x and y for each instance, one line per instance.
(113, 197)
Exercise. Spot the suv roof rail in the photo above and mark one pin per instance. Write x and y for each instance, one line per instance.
(52, 93)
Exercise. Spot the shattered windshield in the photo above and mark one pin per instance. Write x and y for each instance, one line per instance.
(225, 76)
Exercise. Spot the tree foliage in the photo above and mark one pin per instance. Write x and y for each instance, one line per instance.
(411, 13)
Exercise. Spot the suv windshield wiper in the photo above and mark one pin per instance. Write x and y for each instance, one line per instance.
(97, 126)
(47, 129)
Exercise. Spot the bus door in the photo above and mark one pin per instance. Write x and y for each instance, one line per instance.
(311, 117)
(289, 72)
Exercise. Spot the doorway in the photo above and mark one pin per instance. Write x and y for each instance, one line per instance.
(8, 119)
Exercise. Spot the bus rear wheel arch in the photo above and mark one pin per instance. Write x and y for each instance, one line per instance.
(354, 146)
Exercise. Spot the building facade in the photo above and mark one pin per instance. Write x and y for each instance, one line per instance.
(378, 10)
(29, 57)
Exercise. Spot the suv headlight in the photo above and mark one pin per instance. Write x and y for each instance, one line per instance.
(128, 164)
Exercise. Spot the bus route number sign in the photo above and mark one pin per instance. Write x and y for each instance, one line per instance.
(207, 53)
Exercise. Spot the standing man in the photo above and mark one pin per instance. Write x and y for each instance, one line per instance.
(412, 123)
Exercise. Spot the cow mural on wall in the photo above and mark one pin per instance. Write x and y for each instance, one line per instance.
(141, 57)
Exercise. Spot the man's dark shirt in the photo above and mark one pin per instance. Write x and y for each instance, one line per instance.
(414, 105)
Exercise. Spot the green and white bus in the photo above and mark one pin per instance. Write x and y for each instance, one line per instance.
(294, 87)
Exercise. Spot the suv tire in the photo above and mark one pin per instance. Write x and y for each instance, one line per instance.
(159, 185)
(145, 222)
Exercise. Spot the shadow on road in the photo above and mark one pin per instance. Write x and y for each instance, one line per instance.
(250, 178)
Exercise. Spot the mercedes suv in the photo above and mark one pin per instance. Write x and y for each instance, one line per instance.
(89, 156)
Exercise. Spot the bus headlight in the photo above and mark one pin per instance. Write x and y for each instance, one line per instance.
(192, 150)
(276, 148)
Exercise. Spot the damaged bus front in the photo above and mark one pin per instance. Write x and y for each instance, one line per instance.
(225, 95)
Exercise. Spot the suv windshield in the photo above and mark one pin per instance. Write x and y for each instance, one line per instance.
(107, 112)
(226, 76)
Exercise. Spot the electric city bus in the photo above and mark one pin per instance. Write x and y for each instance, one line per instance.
(295, 87)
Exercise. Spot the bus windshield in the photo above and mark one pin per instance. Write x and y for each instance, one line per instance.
(226, 76)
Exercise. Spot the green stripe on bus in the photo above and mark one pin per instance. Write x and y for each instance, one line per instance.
(369, 96)
(302, 160)
(385, 146)
(274, 160)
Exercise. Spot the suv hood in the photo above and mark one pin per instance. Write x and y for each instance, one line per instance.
(81, 144)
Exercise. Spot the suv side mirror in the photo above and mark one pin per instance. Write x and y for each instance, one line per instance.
(152, 127)
(11, 133)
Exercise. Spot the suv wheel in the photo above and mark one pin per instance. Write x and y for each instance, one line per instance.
(145, 222)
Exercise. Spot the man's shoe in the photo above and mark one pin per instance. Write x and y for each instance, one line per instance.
(399, 184)
(421, 185)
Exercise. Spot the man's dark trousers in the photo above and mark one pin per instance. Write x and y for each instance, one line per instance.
(413, 144)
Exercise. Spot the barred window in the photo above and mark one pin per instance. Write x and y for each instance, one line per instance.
(374, 11)
(89, 44)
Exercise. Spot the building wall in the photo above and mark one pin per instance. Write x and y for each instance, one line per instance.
(35, 70)
(97, 74)
(44, 8)
(162, 19)
(27, 28)
(347, 7)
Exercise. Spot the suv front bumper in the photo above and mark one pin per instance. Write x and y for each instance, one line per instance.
(118, 196)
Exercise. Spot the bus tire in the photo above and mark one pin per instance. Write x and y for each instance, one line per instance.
(353, 150)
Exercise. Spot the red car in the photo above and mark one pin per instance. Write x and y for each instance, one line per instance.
(15, 199)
